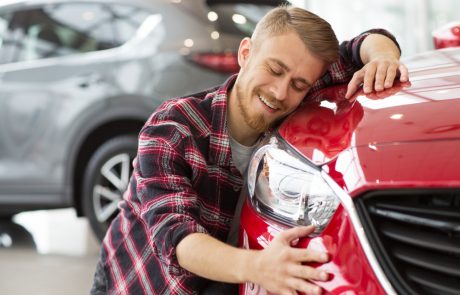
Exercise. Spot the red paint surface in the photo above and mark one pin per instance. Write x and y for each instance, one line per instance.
(405, 137)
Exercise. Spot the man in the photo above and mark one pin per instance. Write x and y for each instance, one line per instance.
(169, 236)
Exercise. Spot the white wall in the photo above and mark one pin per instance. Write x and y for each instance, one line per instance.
(411, 21)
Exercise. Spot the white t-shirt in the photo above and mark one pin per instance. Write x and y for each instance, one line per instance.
(241, 155)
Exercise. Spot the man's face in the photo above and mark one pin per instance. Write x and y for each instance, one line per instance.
(274, 78)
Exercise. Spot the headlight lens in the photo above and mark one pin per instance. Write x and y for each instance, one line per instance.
(286, 187)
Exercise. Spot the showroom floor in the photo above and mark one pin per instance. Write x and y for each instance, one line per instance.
(47, 253)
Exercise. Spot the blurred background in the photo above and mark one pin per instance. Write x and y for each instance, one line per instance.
(79, 78)
(411, 21)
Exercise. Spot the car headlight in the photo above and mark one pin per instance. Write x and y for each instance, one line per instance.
(286, 187)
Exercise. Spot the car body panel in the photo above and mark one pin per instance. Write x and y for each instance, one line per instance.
(350, 269)
(374, 142)
(60, 95)
(447, 36)
(385, 167)
(404, 139)
(50, 106)
(420, 111)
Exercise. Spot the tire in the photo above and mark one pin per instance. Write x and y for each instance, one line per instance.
(106, 179)
(15, 236)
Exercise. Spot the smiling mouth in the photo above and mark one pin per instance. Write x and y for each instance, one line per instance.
(268, 104)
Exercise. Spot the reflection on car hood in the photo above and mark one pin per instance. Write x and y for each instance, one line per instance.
(425, 110)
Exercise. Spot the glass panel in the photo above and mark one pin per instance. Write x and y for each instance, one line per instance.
(126, 20)
(8, 35)
(84, 26)
(59, 30)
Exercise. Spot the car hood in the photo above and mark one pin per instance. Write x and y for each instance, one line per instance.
(425, 110)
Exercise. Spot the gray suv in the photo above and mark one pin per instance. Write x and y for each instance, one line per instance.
(79, 78)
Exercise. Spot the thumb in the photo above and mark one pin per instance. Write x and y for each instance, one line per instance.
(294, 233)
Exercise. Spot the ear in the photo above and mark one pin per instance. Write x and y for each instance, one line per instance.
(243, 51)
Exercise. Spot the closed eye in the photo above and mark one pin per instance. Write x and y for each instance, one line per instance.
(275, 72)
(299, 86)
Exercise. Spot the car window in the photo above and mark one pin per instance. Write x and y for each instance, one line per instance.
(7, 37)
(83, 27)
(55, 30)
(126, 21)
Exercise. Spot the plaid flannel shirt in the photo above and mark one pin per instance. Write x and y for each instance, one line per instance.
(184, 182)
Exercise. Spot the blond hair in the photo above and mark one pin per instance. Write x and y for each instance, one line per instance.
(315, 32)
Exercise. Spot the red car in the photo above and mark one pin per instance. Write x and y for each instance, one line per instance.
(380, 179)
(447, 36)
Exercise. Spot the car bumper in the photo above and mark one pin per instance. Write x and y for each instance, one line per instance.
(349, 268)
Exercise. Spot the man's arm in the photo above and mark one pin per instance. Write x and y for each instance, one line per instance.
(361, 58)
(278, 268)
(380, 56)
(170, 211)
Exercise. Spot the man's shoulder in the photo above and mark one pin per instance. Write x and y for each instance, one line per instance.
(190, 115)
(200, 101)
(204, 101)
(181, 108)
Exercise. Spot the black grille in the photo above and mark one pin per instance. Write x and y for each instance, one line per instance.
(416, 238)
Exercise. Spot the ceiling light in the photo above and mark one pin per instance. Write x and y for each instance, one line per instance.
(212, 16)
(239, 19)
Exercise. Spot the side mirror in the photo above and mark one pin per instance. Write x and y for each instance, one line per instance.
(447, 36)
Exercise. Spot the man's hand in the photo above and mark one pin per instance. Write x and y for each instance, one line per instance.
(280, 268)
(377, 75)
(381, 66)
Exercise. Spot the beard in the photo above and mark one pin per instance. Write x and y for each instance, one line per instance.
(255, 121)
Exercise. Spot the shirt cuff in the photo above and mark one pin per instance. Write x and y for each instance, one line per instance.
(358, 41)
(166, 241)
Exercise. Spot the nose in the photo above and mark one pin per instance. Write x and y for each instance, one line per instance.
(280, 87)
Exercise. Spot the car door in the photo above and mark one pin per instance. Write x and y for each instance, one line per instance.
(53, 71)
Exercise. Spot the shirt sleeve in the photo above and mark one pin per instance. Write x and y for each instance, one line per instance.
(169, 204)
(349, 61)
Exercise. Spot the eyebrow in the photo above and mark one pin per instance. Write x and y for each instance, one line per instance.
(285, 67)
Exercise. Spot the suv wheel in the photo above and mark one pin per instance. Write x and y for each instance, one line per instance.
(106, 179)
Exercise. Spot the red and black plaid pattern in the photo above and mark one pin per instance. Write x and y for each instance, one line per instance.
(183, 182)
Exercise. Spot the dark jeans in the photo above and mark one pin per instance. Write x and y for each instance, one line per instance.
(218, 288)
(100, 281)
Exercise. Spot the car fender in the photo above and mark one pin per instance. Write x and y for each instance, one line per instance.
(116, 109)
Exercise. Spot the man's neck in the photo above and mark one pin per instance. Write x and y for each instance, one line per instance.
(237, 126)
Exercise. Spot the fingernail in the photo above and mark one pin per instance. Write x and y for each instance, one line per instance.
(323, 275)
(295, 242)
